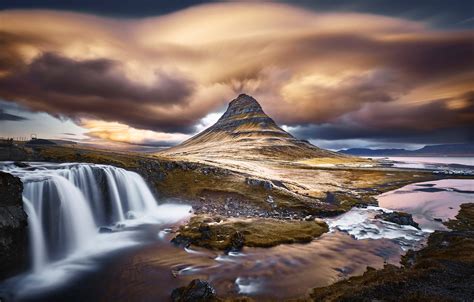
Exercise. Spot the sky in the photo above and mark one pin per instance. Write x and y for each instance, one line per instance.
(153, 73)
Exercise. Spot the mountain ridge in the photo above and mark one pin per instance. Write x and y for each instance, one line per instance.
(429, 150)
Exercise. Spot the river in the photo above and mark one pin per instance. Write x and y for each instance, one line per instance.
(92, 246)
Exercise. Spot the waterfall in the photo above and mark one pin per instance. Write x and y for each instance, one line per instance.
(68, 203)
(37, 248)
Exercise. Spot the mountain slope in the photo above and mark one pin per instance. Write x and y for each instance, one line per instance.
(245, 131)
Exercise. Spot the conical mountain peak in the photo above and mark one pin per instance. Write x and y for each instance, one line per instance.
(245, 131)
(243, 104)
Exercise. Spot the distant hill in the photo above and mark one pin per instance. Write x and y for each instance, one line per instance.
(246, 131)
(432, 150)
(40, 141)
(45, 142)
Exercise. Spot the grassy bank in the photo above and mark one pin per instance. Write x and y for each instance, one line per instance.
(442, 271)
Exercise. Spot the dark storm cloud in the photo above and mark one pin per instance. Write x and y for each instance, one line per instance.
(454, 13)
(388, 122)
(98, 88)
(4, 116)
(136, 8)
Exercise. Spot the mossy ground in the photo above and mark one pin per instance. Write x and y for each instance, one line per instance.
(442, 271)
(71, 154)
(336, 160)
(216, 232)
(303, 191)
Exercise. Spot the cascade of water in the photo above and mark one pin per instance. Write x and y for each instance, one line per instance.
(67, 203)
(37, 248)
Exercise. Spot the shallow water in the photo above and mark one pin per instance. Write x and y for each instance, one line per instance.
(427, 162)
(432, 199)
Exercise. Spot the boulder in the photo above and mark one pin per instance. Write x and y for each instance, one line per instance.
(180, 240)
(400, 218)
(237, 241)
(196, 291)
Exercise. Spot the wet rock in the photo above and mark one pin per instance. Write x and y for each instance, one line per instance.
(196, 291)
(13, 226)
(20, 164)
(180, 240)
(105, 230)
(205, 231)
(398, 218)
(237, 241)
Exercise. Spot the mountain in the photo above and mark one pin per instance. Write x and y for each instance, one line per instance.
(432, 150)
(245, 131)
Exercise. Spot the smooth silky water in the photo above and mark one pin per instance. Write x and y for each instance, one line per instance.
(137, 262)
(78, 213)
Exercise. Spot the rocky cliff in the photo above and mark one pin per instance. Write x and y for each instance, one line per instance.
(13, 226)
(246, 131)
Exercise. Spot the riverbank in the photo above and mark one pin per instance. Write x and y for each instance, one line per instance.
(441, 271)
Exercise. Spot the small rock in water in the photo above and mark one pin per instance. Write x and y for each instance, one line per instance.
(120, 225)
(438, 219)
(237, 241)
(398, 218)
(131, 215)
(175, 273)
(105, 230)
(196, 291)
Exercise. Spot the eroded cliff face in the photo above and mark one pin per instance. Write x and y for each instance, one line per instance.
(13, 227)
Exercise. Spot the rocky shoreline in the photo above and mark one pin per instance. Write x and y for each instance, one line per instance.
(441, 271)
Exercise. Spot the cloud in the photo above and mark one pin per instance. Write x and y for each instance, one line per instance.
(118, 132)
(333, 72)
(452, 119)
(4, 116)
(96, 87)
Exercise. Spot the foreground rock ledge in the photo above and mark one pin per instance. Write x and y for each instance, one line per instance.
(196, 291)
(231, 234)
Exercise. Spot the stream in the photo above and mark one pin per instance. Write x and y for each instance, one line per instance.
(91, 245)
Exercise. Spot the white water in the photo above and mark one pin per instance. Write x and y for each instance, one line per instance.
(67, 204)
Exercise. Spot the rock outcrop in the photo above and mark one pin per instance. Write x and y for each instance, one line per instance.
(246, 131)
(398, 218)
(196, 291)
(13, 226)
